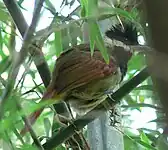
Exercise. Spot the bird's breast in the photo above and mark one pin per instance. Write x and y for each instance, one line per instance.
(87, 97)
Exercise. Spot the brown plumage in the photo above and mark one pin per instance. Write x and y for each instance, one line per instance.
(83, 80)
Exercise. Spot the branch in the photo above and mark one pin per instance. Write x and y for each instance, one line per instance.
(35, 50)
(64, 134)
(158, 22)
(43, 34)
(22, 55)
(33, 134)
(17, 16)
(17, 63)
(22, 26)
(137, 105)
(2, 81)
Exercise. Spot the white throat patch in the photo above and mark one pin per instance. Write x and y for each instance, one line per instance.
(112, 42)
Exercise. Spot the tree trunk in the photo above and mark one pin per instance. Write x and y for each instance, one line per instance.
(102, 136)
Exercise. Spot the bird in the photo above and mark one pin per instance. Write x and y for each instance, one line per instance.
(83, 80)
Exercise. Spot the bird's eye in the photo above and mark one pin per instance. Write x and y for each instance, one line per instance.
(125, 39)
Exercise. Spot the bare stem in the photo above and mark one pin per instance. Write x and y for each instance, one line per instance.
(17, 63)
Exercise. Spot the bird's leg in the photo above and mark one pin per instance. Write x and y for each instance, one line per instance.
(63, 114)
(108, 105)
(77, 141)
(113, 117)
(62, 120)
(112, 110)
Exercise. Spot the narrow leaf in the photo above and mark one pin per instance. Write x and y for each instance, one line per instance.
(58, 43)
(144, 138)
(47, 126)
(145, 87)
(50, 5)
(92, 37)
(84, 10)
(92, 7)
(150, 147)
(96, 38)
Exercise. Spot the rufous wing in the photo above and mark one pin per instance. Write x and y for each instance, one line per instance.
(77, 67)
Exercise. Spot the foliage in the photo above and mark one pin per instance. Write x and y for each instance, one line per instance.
(29, 88)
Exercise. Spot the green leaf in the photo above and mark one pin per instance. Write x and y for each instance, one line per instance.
(2, 54)
(153, 132)
(118, 11)
(58, 43)
(139, 105)
(159, 120)
(84, 10)
(144, 138)
(47, 126)
(145, 87)
(72, 2)
(4, 15)
(100, 44)
(146, 145)
(20, 1)
(138, 144)
(136, 62)
(130, 144)
(131, 102)
(51, 6)
(72, 33)
(60, 148)
(94, 31)
(27, 147)
(92, 37)
(162, 143)
(141, 99)
(92, 7)
(96, 38)
(1, 41)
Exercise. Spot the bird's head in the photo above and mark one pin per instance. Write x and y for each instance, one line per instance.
(120, 39)
(125, 33)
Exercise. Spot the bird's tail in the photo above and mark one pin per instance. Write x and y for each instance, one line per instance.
(32, 118)
(49, 94)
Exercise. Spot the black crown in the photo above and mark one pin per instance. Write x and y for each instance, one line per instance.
(127, 35)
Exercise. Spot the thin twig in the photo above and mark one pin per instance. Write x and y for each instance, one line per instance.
(17, 16)
(2, 81)
(27, 67)
(49, 30)
(18, 135)
(22, 55)
(80, 134)
(22, 26)
(28, 125)
(10, 142)
(141, 105)
(31, 90)
(16, 66)
(43, 34)
(87, 147)
(69, 15)
(13, 34)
